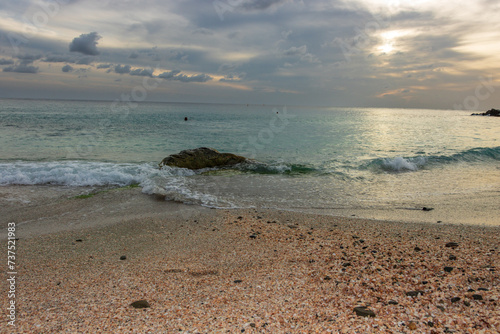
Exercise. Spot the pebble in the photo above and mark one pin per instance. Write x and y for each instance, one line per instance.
(412, 326)
(477, 297)
(414, 293)
(455, 299)
(452, 245)
(363, 311)
(448, 269)
(140, 304)
(393, 302)
(452, 257)
(238, 281)
(123, 257)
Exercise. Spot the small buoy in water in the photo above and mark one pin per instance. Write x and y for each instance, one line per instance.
(185, 118)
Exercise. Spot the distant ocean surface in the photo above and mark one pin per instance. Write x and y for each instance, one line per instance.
(372, 162)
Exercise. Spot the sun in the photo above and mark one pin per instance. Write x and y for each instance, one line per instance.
(386, 48)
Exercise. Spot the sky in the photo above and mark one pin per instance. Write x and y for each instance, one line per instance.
(359, 53)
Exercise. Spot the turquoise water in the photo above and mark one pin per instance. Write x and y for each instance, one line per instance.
(330, 160)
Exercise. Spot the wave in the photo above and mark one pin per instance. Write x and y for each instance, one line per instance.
(400, 164)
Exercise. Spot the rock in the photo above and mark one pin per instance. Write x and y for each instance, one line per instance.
(123, 257)
(412, 326)
(452, 257)
(393, 302)
(79, 240)
(477, 297)
(363, 311)
(448, 269)
(238, 281)
(414, 293)
(455, 299)
(140, 304)
(491, 112)
(417, 249)
(452, 245)
(483, 289)
(202, 157)
(427, 209)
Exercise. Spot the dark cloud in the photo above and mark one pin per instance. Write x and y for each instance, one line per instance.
(85, 61)
(67, 68)
(133, 55)
(86, 44)
(122, 69)
(59, 59)
(4, 61)
(143, 72)
(253, 5)
(21, 68)
(104, 66)
(27, 58)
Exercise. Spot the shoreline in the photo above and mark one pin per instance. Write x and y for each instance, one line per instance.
(260, 270)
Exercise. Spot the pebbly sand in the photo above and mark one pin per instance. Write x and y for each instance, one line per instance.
(81, 262)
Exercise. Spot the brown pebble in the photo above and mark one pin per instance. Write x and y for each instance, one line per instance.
(412, 326)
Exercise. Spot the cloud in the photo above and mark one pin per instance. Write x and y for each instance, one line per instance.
(4, 61)
(193, 78)
(133, 55)
(122, 69)
(59, 59)
(294, 51)
(169, 75)
(86, 44)
(257, 5)
(67, 68)
(142, 72)
(104, 66)
(21, 68)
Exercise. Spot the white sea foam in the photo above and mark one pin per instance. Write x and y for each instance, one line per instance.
(399, 164)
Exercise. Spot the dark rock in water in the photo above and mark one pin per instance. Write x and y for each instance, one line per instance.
(363, 311)
(491, 112)
(140, 304)
(202, 157)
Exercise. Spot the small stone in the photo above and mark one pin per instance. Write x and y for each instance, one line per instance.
(427, 209)
(471, 290)
(466, 303)
(140, 304)
(430, 324)
(414, 293)
(123, 257)
(253, 236)
(441, 307)
(79, 240)
(452, 257)
(393, 302)
(363, 311)
(238, 281)
(483, 289)
(439, 221)
(327, 278)
(455, 299)
(477, 297)
(252, 325)
(448, 269)
(412, 326)
(452, 245)
(417, 249)
(347, 264)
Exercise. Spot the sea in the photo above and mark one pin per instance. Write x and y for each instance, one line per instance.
(435, 166)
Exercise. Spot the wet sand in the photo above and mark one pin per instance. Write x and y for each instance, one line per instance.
(81, 262)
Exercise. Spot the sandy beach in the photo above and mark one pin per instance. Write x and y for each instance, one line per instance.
(82, 261)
